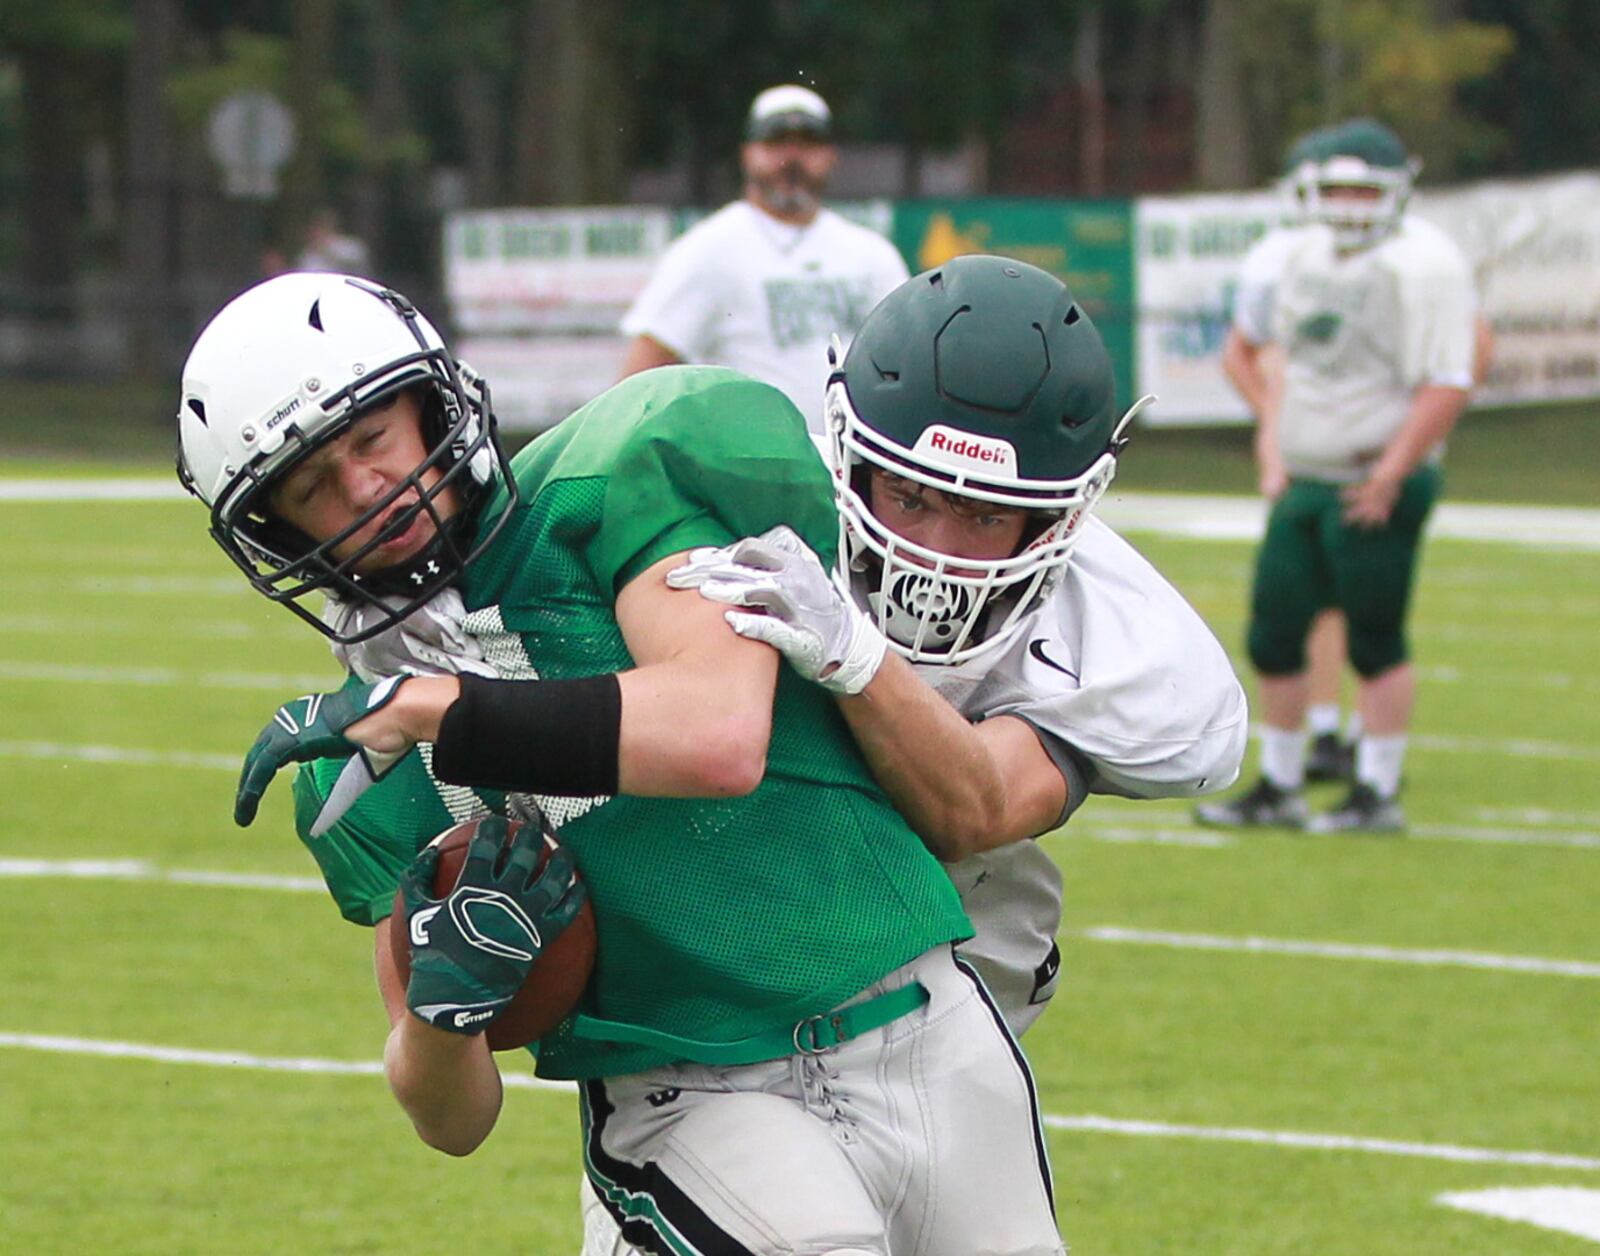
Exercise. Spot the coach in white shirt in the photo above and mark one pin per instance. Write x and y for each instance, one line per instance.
(763, 283)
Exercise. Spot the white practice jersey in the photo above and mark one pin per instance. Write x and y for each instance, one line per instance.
(1131, 694)
(743, 290)
(1361, 331)
(1256, 286)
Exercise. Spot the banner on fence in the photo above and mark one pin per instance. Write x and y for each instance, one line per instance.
(1086, 243)
(539, 293)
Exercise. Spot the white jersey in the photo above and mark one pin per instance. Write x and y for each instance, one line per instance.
(1256, 285)
(1362, 331)
(1130, 694)
(744, 290)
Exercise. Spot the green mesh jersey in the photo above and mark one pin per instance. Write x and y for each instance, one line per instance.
(718, 919)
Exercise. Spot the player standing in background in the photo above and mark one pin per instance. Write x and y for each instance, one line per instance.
(972, 429)
(765, 281)
(1375, 313)
(779, 1050)
(1256, 370)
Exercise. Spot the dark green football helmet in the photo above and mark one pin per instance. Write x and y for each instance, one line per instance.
(984, 379)
(1360, 154)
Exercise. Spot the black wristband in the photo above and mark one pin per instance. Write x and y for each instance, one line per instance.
(532, 736)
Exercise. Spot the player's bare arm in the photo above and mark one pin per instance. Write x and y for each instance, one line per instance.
(965, 787)
(1249, 368)
(691, 721)
(447, 1083)
(1434, 411)
(697, 711)
(645, 352)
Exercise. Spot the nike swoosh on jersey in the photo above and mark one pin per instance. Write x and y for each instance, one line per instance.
(1036, 648)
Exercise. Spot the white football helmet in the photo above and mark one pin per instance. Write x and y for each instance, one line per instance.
(289, 365)
(1361, 154)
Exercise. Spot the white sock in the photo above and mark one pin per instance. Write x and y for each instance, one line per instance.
(1379, 761)
(1322, 718)
(1283, 757)
(1352, 728)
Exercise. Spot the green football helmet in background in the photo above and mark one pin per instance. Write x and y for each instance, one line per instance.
(985, 379)
(1360, 154)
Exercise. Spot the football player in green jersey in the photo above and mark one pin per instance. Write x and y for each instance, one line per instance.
(778, 1034)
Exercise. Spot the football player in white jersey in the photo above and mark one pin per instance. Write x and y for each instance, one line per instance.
(763, 283)
(1256, 371)
(972, 429)
(1376, 315)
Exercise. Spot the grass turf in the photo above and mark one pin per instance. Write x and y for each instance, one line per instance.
(126, 629)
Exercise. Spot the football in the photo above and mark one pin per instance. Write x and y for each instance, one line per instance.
(557, 977)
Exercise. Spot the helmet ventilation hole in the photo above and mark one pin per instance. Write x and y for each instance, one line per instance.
(1072, 315)
(316, 314)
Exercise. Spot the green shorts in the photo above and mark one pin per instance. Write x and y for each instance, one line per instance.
(1310, 560)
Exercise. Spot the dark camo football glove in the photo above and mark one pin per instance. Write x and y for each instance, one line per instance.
(313, 727)
(471, 950)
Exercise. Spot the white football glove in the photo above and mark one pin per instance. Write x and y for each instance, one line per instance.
(430, 641)
(796, 608)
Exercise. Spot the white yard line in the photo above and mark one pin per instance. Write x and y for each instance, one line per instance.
(1135, 834)
(162, 586)
(1244, 518)
(1174, 514)
(1428, 958)
(90, 674)
(108, 490)
(1513, 747)
(1535, 816)
(142, 870)
(1078, 1124)
(1323, 1142)
(69, 626)
(56, 752)
(1502, 837)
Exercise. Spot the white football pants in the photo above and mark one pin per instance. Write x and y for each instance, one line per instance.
(921, 1138)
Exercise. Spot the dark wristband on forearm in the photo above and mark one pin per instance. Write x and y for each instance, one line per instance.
(532, 736)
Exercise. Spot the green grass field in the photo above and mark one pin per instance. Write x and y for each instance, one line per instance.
(135, 666)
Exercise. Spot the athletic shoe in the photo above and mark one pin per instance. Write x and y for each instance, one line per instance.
(1330, 759)
(1264, 806)
(1362, 811)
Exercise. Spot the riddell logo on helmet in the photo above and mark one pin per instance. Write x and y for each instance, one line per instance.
(951, 447)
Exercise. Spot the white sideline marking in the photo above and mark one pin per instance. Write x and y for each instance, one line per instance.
(111, 490)
(80, 625)
(1536, 815)
(1176, 514)
(86, 674)
(1157, 836)
(1516, 747)
(57, 751)
(1244, 519)
(141, 870)
(1502, 837)
(1322, 1142)
(1346, 950)
(1512, 747)
(1087, 1124)
(233, 1059)
(162, 585)
(1169, 829)
(1567, 1209)
(138, 756)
